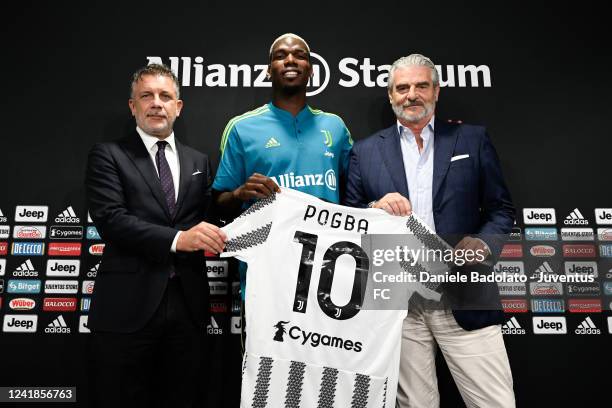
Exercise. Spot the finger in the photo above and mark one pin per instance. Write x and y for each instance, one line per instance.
(405, 210)
(408, 205)
(386, 205)
(461, 244)
(214, 235)
(395, 206)
(210, 242)
(272, 186)
(261, 187)
(249, 193)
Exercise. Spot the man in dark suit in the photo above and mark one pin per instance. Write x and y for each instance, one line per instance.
(449, 175)
(148, 195)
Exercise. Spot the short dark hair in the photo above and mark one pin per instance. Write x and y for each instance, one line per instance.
(155, 69)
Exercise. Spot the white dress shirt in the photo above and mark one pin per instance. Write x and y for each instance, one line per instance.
(419, 170)
(171, 154)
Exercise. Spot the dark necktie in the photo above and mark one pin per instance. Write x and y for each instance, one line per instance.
(165, 175)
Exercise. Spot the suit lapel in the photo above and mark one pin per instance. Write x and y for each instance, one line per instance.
(445, 139)
(137, 152)
(392, 157)
(186, 164)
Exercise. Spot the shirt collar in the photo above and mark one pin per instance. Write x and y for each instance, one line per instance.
(425, 135)
(306, 112)
(150, 141)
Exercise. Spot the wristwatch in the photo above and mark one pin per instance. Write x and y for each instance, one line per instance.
(371, 203)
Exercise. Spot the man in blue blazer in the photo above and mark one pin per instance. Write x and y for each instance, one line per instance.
(450, 176)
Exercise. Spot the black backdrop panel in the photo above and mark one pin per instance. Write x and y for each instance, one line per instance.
(540, 84)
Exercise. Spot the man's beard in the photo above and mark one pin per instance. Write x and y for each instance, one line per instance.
(400, 113)
(291, 90)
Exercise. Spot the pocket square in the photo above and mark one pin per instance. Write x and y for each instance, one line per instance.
(459, 157)
(195, 173)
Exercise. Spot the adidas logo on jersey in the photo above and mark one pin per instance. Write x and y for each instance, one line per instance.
(315, 339)
(58, 326)
(587, 327)
(512, 326)
(575, 218)
(68, 216)
(272, 142)
(2, 217)
(25, 269)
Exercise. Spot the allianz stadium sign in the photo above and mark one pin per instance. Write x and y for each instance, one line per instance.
(351, 72)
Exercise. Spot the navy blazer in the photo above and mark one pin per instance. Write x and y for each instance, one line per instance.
(470, 197)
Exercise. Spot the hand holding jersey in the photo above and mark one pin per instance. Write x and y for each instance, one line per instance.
(318, 336)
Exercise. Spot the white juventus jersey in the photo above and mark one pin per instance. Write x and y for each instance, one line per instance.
(309, 342)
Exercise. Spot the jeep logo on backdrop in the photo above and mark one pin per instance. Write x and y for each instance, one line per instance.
(351, 72)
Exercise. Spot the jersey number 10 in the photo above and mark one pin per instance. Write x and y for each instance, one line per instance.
(326, 278)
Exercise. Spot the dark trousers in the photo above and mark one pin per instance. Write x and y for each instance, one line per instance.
(160, 365)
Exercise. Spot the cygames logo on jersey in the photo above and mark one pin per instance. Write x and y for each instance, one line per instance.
(314, 339)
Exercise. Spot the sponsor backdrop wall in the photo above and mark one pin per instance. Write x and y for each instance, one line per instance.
(537, 78)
